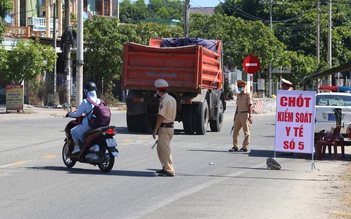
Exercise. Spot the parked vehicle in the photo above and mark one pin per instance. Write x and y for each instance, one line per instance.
(99, 147)
(194, 74)
(325, 116)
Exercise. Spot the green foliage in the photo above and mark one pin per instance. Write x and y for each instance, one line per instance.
(156, 9)
(294, 24)
(153, 30)
(104, 40)
(5, 6)
(240, 38)
(103, 43)
(26, 61)
(132, 12)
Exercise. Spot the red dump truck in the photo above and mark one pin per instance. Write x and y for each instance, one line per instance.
(193, 69)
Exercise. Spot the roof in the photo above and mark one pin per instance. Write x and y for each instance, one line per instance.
(203, 10)
(331, 71)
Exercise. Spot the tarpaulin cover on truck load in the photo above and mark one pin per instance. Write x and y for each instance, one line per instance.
(175, 42)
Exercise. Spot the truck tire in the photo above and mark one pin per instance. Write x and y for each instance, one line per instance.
(132, 123)
(216, 125)
(143, 123)
(188, 119)
(201, 118)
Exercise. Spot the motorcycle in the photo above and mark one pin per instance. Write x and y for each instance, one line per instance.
(99, 147)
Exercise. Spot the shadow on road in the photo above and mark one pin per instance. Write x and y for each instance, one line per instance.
(132, 173)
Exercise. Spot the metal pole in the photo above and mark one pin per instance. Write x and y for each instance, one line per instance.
(318, 37)
(54, 45)
(118, 9)
(270, 64)
(79, 62)
(318, 30)
(67, 53)
(330, 41)
(56, 98)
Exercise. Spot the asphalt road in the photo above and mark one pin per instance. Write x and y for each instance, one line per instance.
(210, 182)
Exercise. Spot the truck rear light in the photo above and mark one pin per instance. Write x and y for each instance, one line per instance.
(186, 101)
(138, 99)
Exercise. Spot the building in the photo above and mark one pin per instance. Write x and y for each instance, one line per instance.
(31, 19)
(38, 15)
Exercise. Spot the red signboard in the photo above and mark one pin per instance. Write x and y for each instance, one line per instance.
(251, 64)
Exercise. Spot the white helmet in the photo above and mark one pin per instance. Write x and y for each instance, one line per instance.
(161, 84)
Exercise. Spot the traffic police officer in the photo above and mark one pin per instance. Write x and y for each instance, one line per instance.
(242, 117)
(164, 127)
(286, 85)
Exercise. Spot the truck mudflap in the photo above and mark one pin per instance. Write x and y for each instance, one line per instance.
(136, 103)
(138, 115)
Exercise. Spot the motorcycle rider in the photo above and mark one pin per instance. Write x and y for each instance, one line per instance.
(84, 108)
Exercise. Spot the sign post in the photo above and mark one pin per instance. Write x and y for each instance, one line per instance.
(251, 66)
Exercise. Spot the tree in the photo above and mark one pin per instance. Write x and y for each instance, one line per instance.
(103, 43)
(5, 6)
(26, 61)
(132, 12)
(153, 30)
(294, 24)
(156, 9)
(240, 38)
(104, 40)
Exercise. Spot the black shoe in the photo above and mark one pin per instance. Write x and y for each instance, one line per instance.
(243, 150)
(164, 173)
(159, 171)
(233, 149)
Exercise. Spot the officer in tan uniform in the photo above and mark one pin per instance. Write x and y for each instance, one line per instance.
(242, 117)
(164, 127)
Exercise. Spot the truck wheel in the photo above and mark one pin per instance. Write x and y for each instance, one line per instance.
(132, 123)
(144, 125)
(188, 119)
(201, 118)
(216, 125)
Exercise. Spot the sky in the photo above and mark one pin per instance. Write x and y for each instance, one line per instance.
(199, 3)
(204, 3)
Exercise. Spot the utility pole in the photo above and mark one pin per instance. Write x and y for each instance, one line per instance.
(54, 45)
(318, 37)
(271, 3)
(67, 53)
(55, 97)
(79, 61)
(186, 18)
(318, 30)
(118, 10)
(330, 41)
(270, 63)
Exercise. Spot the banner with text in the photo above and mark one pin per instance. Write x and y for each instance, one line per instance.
(294, 123)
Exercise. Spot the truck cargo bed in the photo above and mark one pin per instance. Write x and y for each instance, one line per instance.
(186, 68)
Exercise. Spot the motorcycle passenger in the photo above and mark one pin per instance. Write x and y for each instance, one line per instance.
(84, 108)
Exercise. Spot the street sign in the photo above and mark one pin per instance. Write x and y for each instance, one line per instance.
(251, 64)
(281, 70)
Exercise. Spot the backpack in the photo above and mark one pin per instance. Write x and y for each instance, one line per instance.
(101, 114)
